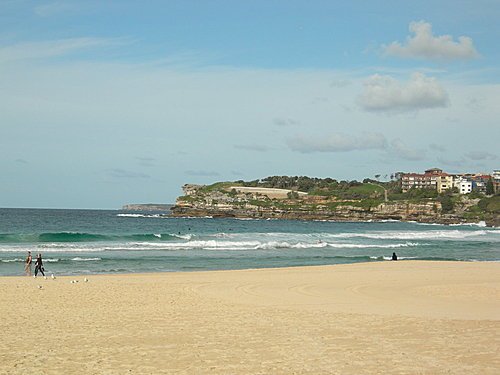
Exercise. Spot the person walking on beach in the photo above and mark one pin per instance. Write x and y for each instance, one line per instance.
(39, 265)
(394, 256)
(27, 265)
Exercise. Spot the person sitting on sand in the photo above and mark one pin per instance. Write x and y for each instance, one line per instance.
(394, 256)
(39, 265)
(27, 265)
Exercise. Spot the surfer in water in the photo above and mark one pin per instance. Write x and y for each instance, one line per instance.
(39, 265)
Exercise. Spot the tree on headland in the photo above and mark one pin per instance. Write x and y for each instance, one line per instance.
(490, 190)
(447, 204)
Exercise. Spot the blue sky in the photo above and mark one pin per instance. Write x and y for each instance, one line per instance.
(107, 103)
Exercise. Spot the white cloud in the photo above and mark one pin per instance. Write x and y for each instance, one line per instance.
(252, 147)
(480, 155)
(202, 173)
(146, 161)
(400, 150)
(437, 147)
(451, 162)
(56, 7)
(424, 45)
(384, 93)
(52, 48)
(337, 142)
(281, 121)
(339, 83)
(122, 173)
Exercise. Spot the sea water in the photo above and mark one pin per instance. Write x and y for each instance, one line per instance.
(105, 241)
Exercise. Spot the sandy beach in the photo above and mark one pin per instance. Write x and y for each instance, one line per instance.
(402, 317)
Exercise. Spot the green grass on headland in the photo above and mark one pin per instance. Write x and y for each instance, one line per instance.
(490, 205)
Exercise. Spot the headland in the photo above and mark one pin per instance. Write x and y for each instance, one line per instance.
(304, 198)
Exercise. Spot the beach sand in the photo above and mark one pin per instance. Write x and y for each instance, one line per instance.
(404, 317)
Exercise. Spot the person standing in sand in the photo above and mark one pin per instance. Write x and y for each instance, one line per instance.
(39, 265)
(27, 265)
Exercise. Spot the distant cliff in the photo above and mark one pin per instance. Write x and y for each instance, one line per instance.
(231, 200)
(147, 207)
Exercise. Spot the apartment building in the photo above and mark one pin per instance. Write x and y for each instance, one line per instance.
(445, 182)
(435, 178)
(427, 180)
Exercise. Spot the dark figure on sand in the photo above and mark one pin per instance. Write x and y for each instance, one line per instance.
(394, 256)
(39, 265)
(27, 265)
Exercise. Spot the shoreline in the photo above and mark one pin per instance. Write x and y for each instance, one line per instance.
(381, 317)
(69, 276)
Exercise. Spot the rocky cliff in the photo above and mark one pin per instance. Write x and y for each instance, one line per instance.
(231, 201)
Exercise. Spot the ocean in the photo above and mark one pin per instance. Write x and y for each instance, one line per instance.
(108, 241)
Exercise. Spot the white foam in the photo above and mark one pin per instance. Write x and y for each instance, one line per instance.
(257, 245)
(432, 224)
(51, 260)
(426, 235)
(222, 235)
(367, 246)
(273, 245)
(183, 236)
(481, 224)
(78, 259)
(12, 260)
(288, 245)
(140, 215)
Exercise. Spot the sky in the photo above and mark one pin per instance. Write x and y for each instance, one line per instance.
(104, 103)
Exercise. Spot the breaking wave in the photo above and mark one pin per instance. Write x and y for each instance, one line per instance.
(419, 235)
(55, 237)
(78, 259)
(202, 245)
(142, 215)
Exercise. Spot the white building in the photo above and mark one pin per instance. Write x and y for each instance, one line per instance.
(465, 187)
(496, 180)
(496, 175)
